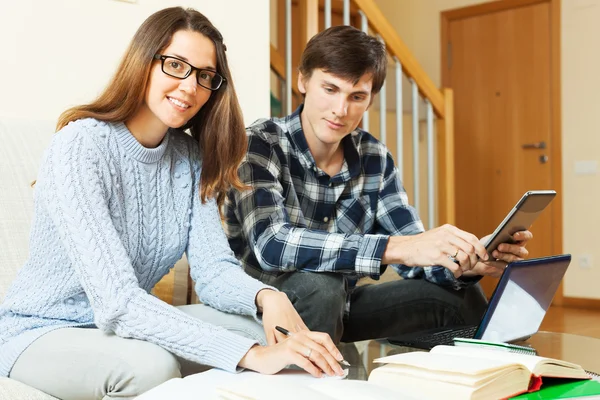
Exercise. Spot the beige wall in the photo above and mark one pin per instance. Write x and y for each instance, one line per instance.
(581, 142)
(418, 23)
(58, 53)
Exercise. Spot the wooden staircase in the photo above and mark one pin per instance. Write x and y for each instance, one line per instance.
(307, 18)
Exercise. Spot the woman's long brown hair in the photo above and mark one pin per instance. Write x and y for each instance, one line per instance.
(218, 126)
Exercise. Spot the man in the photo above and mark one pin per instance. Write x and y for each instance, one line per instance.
(326, 207)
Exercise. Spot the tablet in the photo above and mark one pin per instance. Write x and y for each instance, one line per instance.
(520, 217)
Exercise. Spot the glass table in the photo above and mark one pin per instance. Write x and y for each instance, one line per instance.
(577, 349)
(581, 350)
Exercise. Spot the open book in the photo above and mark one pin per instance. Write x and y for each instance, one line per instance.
(468, 373)
(262, 387)
(446, 372)
(289, 384)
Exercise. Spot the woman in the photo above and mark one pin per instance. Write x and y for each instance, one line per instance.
(123, 191)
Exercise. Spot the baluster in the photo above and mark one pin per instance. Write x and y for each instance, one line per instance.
(399, 120)
(430, 166)
(288, 56)
(382, 111)
(364, 24)
(346, 12)
(415, 127)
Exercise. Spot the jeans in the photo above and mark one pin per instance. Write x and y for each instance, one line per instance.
(378, 311)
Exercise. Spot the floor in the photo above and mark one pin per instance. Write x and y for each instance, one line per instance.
(572, 320)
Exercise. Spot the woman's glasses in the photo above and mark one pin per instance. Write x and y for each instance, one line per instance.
(180, 69)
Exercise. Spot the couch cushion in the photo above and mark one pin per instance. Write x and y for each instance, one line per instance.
(22, 145)
(11, 389)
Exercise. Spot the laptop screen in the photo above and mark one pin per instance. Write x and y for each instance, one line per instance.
(521, 299)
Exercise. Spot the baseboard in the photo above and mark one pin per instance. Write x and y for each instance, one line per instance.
(581, 302)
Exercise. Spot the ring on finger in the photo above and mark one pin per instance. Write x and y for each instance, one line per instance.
(455, 254)
(308, 353)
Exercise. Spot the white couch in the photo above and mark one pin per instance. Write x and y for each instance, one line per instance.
(22, 143)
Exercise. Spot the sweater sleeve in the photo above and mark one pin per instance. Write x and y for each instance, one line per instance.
(77, 202)
(220, 280)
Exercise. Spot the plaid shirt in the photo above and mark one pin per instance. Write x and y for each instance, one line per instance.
(296, 217)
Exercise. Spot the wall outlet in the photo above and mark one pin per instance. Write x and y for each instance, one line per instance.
(585, 261)
(586, 167)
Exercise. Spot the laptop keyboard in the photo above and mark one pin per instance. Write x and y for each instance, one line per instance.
(447, 337)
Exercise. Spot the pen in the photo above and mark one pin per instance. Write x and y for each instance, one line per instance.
(288, 333)
(283, 330)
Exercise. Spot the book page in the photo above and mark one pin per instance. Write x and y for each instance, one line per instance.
(508, 382)
(219, 384)
(529, 361)
(264, 388)
(360, 390)
(446, 363)
(454, 377)
(173, 388)
(273, 390)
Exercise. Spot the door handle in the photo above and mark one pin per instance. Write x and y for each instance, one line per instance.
(538, 145)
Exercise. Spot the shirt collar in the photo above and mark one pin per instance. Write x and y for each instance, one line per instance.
(351, 143)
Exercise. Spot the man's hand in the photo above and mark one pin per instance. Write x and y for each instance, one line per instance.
(277, 310)
(506, 253)
(437, 246)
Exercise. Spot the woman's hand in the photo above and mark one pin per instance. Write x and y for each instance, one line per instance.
(312, 351)
(277, 310)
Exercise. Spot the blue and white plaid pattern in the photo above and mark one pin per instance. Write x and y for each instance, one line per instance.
(296, 217)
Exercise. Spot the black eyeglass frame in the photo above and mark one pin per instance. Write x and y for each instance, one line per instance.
(163, 57)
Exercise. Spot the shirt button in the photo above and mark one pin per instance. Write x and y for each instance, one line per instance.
(177, 175)
(70, 302)
(83, 304)
(325, 219)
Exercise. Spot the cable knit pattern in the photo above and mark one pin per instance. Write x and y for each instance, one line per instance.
(111, 219)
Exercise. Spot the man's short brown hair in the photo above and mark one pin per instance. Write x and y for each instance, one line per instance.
(347, 53)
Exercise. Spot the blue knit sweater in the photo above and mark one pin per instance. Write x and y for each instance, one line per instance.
(111, 219)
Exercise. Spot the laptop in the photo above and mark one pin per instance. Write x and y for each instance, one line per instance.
(515, 311)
